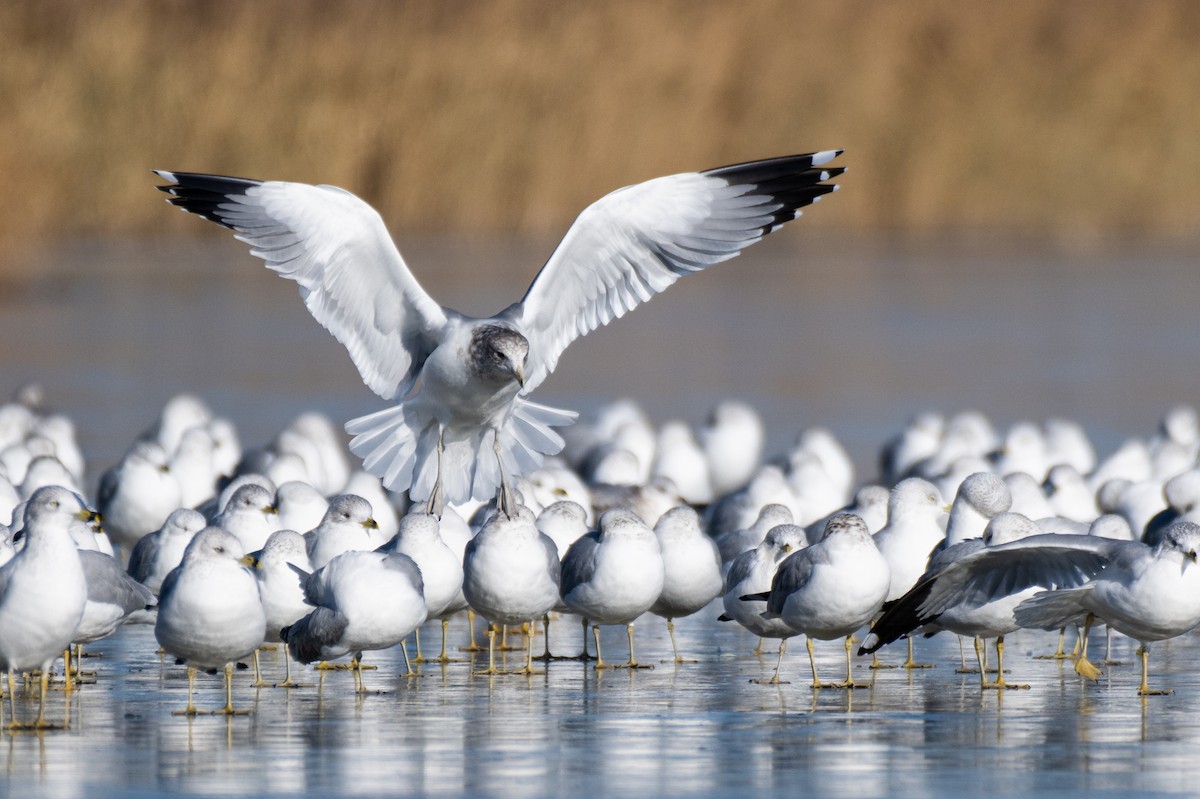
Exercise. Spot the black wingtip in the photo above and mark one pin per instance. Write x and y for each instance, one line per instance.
(761, 597)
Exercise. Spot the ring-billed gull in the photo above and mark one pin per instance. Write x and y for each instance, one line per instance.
(364, 601)
(830, 589)
(441, 570)
(1147, 593)
(613, 575)
(250, 516)
(42, 591)
(161, 551)
(916, 515)
(348, 525)
(462, 382)
(750, 575)
(138, 494)
(511, 576)
(209, 610)
(280, 591)
(691, 569)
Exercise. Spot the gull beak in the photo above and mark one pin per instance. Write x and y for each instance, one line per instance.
(251, 561)
(89, 515)
(271, 509)
(519, 373)
(370, 523)
(947, 508)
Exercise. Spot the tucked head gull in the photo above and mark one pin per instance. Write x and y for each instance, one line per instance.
(463, 424)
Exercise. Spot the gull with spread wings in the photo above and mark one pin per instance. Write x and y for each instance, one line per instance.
(461, 382)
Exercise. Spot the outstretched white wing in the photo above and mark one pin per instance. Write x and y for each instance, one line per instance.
(351, 276)
(630, 245)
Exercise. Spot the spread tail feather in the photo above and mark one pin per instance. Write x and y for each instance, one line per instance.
(1052, 610)
(399, 445)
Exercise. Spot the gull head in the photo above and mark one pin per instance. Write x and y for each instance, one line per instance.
(58, 503)
(498, 354)
(1182, 537)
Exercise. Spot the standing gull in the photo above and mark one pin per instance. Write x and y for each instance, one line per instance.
(832, 588)
(462, 382)
(691, 568)
(42, 591)
(613, 575)
(280, 591)
(364, 601)
(441, 570)
(158, 553)
(209, 611)
(511, 576)
(749, 575)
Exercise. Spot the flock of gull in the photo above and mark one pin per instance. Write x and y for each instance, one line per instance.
(969, 529)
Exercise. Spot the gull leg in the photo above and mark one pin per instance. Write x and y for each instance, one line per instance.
(471, 647)
(43, 684)
(963, 668)
(758, 650)
(912, 664)
(12, 706)
(812, 662)
(190, 710)
(600, 664)
(1108, 658)
(979, 656)
(778, 664)
(68, 679)
(545, 657)
(228, 709)
(632, 664)
(849, 682)
(1083, 666)
(408, 669)
(678, 657)
(1060, 653)
(1144, 689)
(1000, 683)
(528, 669)
(419, 658)
(491, 669)
(288, 682)
(258, 680)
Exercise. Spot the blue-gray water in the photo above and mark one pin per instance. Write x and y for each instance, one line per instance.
(852, 335)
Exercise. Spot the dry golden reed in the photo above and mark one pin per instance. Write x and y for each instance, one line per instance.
(1076, 116)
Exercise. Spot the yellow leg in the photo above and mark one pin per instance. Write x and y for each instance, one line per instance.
(812, 662)
(1000, 682)
(1144, 689)
(778, 665)
(632, 664)
(68, 678)
(849, 681)
(600, 664)
(491, 669)
(408, 669)
(1083, 666)
(190, 710)
(912, 664)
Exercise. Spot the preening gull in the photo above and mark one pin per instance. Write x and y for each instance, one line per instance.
(462, 382)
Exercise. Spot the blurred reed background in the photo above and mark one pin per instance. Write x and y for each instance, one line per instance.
(1072, 118)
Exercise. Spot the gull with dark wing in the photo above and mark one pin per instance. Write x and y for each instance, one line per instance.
(462, 383)
(1147, 593)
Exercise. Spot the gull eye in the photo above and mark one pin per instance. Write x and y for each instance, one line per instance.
(219, 550)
